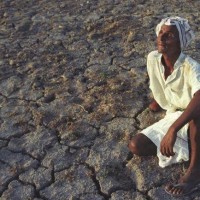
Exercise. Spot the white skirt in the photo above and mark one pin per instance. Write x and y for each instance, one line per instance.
(157, 131)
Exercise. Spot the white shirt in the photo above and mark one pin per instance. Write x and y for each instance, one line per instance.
(177, 90)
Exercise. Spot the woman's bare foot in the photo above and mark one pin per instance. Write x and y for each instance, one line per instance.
(154, 106)
(187, 184)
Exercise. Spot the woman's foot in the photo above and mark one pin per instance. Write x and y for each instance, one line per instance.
(181, 189)
(187, 184)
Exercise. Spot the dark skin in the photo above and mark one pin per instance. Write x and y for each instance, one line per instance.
(154, 106)
(169, 45)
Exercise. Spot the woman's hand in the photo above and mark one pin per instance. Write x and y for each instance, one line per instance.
(167, 143)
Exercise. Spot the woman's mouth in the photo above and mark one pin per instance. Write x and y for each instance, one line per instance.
(161, 44)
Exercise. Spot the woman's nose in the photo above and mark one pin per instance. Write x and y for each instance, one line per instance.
(161, 37)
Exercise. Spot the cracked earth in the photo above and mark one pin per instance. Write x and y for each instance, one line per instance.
(73, 91)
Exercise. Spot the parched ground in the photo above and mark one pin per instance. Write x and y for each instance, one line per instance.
(73, 90)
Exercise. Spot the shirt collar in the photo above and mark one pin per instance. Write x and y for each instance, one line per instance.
(178, 62)
(177, 65)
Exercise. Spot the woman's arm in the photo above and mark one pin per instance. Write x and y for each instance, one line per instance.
(191, 112)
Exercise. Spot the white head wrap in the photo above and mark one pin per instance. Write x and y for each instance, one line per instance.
(186, 35)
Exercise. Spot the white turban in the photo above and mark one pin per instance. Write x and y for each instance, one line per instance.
(186, 35)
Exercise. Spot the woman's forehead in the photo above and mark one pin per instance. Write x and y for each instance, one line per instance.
(169, 28)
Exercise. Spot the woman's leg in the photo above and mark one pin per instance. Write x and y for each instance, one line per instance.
(141, 145)
(192, 176)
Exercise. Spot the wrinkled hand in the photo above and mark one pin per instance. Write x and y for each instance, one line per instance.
(167, 143)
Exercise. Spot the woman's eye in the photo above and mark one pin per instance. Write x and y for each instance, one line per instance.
(170, 35)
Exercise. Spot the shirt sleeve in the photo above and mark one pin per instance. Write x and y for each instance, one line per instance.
(150, 65)
(195, 78)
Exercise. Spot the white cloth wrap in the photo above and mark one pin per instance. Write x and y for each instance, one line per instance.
(158, 130)
(186, 35)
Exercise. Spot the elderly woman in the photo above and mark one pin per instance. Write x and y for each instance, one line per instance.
(175, 85)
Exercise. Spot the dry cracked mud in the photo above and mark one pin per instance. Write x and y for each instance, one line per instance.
(73, 90)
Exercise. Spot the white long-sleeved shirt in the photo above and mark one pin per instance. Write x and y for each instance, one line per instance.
(178, 89)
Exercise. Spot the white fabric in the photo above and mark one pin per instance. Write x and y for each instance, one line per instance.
(186, 35)
(157, 131)
(172, 94)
